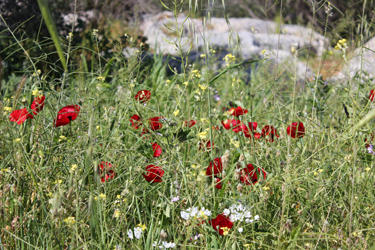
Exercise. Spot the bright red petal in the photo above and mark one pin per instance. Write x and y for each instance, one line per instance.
(153, 174)
(156, 149)
(217, 168)
(372, 95)
(143, 96)
(190, 123)
(19, 116)
(155, 123)
(136, 121)
(66, 115)
(38, 104)
(238, 111)
(249, 175)
(220, 222)
(296, 129)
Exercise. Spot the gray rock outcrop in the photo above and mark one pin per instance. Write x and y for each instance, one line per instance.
(245, 36)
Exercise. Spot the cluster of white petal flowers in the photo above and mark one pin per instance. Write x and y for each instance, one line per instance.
(164, 245)
(193, 212)
(239, 213)
(137, 233)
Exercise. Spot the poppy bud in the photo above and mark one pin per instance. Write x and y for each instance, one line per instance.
(237, 174)
(163, 235)
(239, 188)
(242, 158)
(238, 165)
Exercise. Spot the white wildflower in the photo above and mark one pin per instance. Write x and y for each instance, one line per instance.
(130, 234)
(138, 232)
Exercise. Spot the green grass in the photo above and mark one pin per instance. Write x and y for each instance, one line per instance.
(317, 194)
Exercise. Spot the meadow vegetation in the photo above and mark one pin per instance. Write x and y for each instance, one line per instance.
(114, 153)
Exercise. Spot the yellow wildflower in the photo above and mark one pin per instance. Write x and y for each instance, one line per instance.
(185, 83)
(195, 166)
(17, 140)
(37, 93)
(37, 73)
(117, 213)
(70, 220)
(143, 227)
(368, 169)
(203, 87)
(235, 143)
(73, 168)
(229, 58)
(203, 135)
(176, 112)
(62, 138)
(57, 182)
(102, 196)
(195, 73)
(225, 230)
(100, 78)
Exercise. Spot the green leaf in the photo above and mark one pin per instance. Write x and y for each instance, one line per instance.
(165, 6)
(107, 68)
(46, 13)
(146, 150)
(182, 135)
(167, 211)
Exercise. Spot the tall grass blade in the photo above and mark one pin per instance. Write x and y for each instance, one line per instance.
(46, 13)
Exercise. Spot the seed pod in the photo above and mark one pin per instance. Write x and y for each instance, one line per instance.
(242, 158)
(163, 235)
(239, 188)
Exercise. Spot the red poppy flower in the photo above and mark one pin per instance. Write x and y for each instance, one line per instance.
(296, 129)
(230, 123)
(238, 111)
(136, 121)
(190, 123)
(206, 145)
(157, 149)
(269, 131)
(242, 127)
(372, 95)
(155, 122)
(249, 176)
(153, 173)
(66, 115)
(20, 116)
(218, 185)
(143, 96)
(38, 104)
(105, 171)
(220, 223)
(218, 167)
(253, 126)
